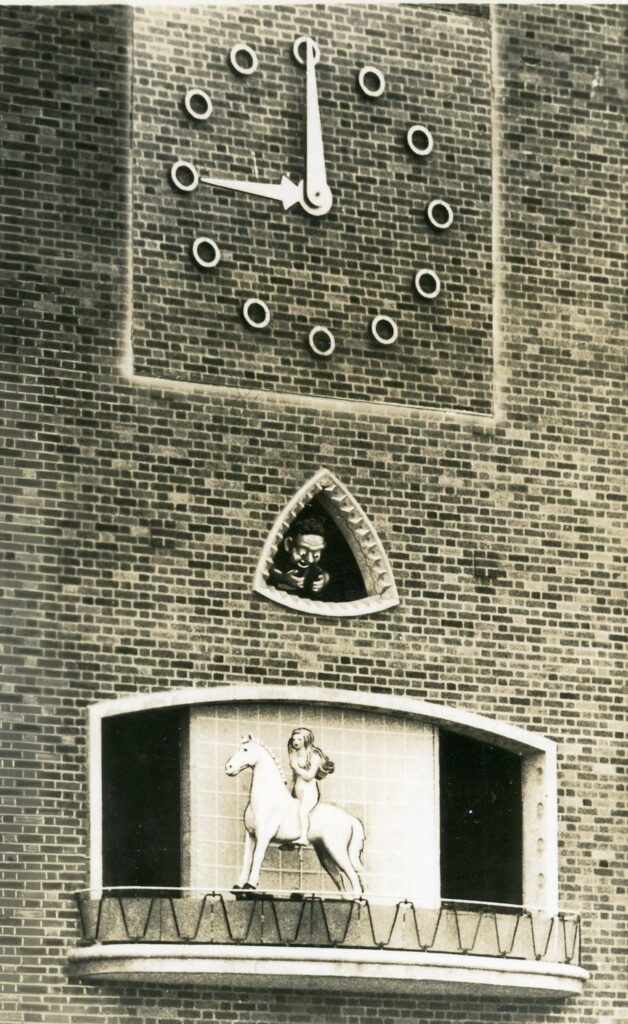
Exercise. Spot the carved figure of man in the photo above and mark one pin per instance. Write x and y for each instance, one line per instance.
(308, 764)
(295, 568)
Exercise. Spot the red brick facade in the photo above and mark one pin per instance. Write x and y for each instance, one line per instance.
(135, 514)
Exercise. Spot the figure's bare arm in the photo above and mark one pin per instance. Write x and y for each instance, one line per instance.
(307, 774)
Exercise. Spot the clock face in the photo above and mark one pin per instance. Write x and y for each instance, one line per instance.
(312, 202)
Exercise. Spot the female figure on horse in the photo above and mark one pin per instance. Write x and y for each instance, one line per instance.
(308, 764)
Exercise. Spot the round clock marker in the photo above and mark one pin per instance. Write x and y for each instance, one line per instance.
(384, 329)
(184, 176)
(321, 341)
(206, 253)
(371, 81)
(420, 140)
(440, 214)
(256, 313)
(243, 59)
(427, 283)
(304, 43)
(197, 104)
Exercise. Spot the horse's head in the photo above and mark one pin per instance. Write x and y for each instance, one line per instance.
(245, 756)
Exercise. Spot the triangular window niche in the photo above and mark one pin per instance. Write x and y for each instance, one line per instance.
(324, 557)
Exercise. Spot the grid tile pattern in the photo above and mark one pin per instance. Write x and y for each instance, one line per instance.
(385, 775)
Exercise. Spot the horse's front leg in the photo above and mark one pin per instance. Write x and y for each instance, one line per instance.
(249, 848)
(263, 840)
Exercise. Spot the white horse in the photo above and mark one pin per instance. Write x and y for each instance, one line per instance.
(272, 816)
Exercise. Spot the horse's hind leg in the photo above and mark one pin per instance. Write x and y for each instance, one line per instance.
(337, 849)
(329, 865)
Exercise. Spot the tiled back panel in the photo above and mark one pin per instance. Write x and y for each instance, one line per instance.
(339, 270)
(385, 775)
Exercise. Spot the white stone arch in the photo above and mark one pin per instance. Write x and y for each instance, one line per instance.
(360, 535)
(539, 769)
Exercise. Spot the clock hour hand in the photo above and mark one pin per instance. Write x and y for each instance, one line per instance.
(317, 190)
(287, 193)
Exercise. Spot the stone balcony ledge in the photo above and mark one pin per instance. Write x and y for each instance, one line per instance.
(349, 969)
(268, 939)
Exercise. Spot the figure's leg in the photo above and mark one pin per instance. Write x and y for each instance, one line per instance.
(304, 822)
(307, 803)
(249, 848)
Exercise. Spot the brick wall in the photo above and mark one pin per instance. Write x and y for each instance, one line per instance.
(135, 515)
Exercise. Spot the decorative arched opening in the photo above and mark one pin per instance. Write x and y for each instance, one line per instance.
(323, 555)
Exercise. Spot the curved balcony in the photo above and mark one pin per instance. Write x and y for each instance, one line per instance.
(267, 939)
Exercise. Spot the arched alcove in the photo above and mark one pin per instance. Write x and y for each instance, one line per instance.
(352, 573)
(398, 765)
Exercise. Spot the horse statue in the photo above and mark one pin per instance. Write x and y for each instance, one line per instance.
(272, 816)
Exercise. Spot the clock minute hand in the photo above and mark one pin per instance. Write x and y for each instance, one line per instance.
(287, 193)
(316, 188)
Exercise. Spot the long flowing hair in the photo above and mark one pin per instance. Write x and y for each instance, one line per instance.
(326, 766)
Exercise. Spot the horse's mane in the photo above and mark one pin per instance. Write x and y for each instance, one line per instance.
(261, 744)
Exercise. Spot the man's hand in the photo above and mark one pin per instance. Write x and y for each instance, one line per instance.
(320, 582)
(296, 579)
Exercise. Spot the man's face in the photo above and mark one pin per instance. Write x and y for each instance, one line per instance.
(306, 549)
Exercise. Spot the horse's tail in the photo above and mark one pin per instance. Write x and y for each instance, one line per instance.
(356, 843)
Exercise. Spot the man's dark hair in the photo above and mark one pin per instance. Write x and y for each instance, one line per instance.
(308, 525)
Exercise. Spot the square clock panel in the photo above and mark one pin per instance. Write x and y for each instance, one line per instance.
(312, 201)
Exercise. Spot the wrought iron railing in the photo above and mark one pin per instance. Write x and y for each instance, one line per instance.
(121, 915)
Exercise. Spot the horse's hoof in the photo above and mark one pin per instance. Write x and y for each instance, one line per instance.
(247, 885)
